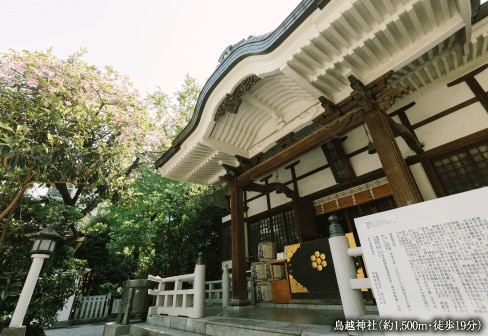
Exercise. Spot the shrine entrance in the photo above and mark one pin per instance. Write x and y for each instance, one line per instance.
(346, 218)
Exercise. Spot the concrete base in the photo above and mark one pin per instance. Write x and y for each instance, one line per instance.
(263, 319)
(231, 326)
(190, 325)
(239, 302)
(17, 331)
(115, 329)
(236, 308)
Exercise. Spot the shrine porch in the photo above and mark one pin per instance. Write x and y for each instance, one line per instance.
(262, 319)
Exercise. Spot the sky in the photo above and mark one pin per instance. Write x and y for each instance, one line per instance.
(154, 42)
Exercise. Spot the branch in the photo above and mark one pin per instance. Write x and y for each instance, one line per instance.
(133, 166)
(63, 190)
(102, 193)
(23, 187)
(5, 228)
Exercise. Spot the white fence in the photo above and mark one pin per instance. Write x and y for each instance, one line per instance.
(214, 293)
(91, 307)
(182, 295)
(219, 291)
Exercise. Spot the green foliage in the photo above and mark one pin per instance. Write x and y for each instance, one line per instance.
(110, 287)
(163, 224)
(172, 116)
(57, 281)
(67, 123)
(10, 288)
(69, 126)
(85, 135)
(54, 287)
(106, 267)
(160, 223)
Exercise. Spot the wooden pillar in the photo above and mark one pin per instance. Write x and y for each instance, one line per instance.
(305, 219)
(374, 104)
(239, 280)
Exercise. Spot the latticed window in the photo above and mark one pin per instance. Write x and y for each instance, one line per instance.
(463, 170)
(278, 228)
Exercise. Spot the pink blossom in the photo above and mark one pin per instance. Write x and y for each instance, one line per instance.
(58, 80)
(21, 67)
(32, 82)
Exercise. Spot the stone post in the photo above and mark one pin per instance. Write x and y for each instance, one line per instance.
(199, 287)
(225, 286)
(352, 299)
(27, 290)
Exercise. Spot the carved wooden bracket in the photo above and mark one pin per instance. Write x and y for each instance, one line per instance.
(329, 107)
(409, 137)
(231, 174)
(376, 95)
(286, 141)
(330, 112)
(245, 163)
(388, 97)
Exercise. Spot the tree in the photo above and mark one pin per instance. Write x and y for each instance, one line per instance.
(57, 278)
(172, 116)
(106, 267)
(163, 224)
(66, 124)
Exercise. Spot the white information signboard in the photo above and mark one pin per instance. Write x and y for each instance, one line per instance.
(429, 260)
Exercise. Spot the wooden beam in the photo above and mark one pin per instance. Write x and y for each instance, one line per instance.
(396, 170)
(409, 137)
(374, 106)
(473, 84)
(270, 187)
(328, 132)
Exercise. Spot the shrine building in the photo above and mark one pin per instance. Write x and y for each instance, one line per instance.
(347, 108)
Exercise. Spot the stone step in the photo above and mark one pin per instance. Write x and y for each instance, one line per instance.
(146, 329)
(245, 327)
(142, 329)
(219, 326)
(258, 321)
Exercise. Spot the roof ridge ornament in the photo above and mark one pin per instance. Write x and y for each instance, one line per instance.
(232, 102)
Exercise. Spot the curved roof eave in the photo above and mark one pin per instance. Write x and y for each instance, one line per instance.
(253, 46)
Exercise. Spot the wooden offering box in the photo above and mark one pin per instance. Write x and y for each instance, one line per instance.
(280, 284)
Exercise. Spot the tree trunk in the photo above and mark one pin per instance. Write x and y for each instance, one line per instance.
(5, 228)
(13, 203)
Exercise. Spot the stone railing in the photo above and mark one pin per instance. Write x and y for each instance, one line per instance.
(220, 291)
(182, 295)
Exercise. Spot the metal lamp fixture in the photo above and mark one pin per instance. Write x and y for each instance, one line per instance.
(46, 241)
(44, 247)
(371, 146)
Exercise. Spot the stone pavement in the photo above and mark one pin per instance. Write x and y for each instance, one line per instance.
(78, 330)
(295, 313)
